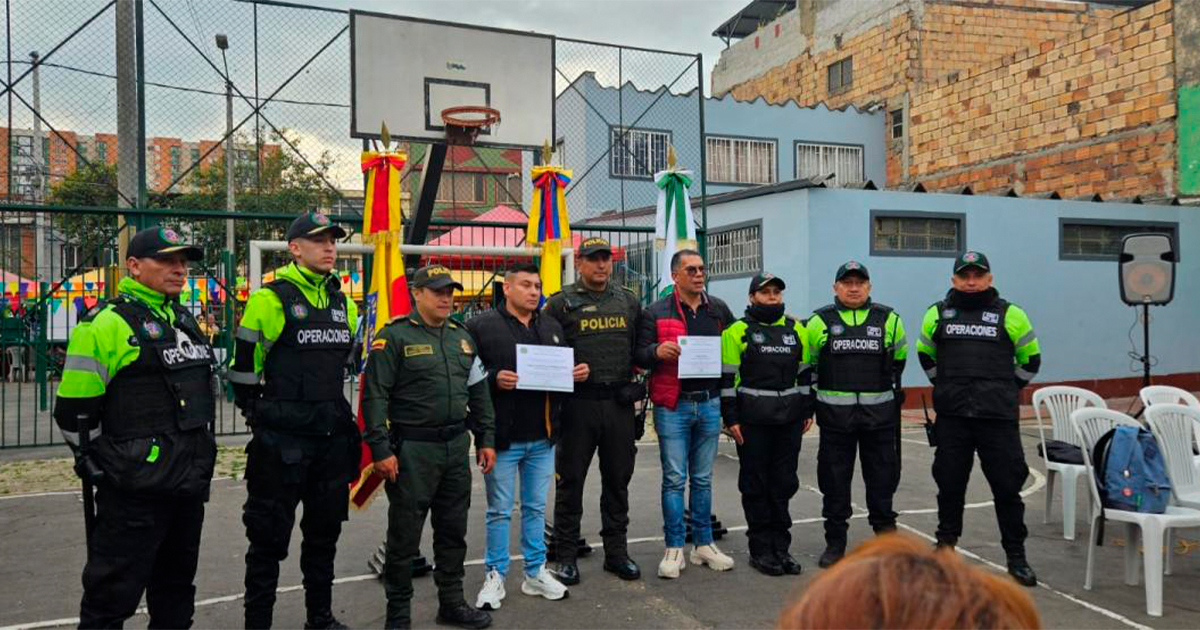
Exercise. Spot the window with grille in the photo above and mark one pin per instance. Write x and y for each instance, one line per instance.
(102, 151)
(735, 251)
(176, 162)
(10, 248)
(637, 152)
(844, 161)
(897, 116)
(195, 155)
(740, 160)
(916, 234)
(461, 187)
(841, 75)
(1084, 239)
(81, 148)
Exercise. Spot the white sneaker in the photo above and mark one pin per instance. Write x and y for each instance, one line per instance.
(543, 584)
(713, 557)
(672, 563)
(492, 592)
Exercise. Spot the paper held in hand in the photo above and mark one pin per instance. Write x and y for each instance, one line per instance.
(700, 356)
(545, 368)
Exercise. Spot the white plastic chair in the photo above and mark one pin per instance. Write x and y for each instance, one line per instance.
(16, 363)
(1090, 424)
(1174, 428)
(1165, 394)
(1060, 401)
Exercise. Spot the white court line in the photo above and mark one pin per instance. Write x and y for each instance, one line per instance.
(1039, 483)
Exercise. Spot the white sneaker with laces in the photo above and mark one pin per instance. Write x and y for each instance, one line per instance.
(711, 556)
(672, 563)
(544, 585)
(492, 593)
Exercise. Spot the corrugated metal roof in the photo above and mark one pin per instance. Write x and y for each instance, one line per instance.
(746, 21)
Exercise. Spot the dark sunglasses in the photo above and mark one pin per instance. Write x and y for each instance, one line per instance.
(695, 270)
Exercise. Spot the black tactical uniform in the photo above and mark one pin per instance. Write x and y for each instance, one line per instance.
(150, 439)
(601, 327)
(765, 392)
(297, 331)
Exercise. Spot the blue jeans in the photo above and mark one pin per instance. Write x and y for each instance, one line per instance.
(687, 444)
(533, 461)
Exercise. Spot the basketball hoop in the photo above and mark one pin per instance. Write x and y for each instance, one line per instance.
(465, 122)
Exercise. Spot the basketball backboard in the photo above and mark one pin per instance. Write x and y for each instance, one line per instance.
(404, 71)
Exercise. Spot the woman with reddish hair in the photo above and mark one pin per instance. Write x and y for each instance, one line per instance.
(896, 581)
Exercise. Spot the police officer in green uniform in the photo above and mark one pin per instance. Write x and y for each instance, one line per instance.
(858, 351)
(425, 387)
(765, 403)
(297, 332)
(600, 320)
(139, 380)
(979, 350)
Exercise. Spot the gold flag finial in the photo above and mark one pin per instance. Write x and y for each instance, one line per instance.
(546, 151)
(670, 156)
(384, 136)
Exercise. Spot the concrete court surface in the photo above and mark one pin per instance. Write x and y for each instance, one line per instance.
(43, 553)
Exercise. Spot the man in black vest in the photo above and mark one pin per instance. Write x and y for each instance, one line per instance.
(296, 332)
(600, 321)
(765, 404)
(136, 404)
(979, 350)
(859, 351)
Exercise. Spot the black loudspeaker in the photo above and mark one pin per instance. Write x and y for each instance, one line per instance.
(1147, 269)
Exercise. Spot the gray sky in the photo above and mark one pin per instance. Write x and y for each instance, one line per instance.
(676, 25)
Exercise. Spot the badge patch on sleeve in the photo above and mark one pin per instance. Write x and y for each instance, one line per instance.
(379, 344)
(418, 350)
(466, 347)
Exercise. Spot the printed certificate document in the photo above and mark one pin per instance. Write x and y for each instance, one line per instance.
(545, 368)
(700, 356)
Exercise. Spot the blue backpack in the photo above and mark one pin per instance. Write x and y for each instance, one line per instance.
(1130, 471)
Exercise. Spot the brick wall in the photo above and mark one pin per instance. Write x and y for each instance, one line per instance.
(918, 42)
(1089, 113)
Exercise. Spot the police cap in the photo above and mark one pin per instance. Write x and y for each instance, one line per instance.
(311, 224)
(594, 245)
(852, 266)
(434, 277)
(971, 259)
(160, 241)
(765, 278)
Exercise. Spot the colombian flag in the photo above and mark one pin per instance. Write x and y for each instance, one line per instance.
(549, 224)
(388, 296)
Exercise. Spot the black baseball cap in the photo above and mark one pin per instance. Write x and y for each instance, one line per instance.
(852, 266)
(765, 278)
(160, 241)
(971, 259)
(434, 277)
(312, 224)
(594, 245)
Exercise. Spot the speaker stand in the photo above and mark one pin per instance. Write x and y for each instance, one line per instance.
(1145, 353)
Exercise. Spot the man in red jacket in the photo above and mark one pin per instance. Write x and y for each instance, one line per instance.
(687, 414)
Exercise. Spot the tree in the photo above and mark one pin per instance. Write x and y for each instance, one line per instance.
(92, 185)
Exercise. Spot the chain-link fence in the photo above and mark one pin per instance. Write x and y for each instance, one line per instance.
(97, 89)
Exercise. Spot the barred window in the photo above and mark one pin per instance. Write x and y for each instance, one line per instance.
(735, 251)
(916, 234)
(740, 160)
(1101, 240)
(11, 257)
(459, 187)
(637, 152)
(897, 116)
(102, 151)
(845, 162)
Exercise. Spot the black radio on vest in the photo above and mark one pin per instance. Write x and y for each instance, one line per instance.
(307, 359)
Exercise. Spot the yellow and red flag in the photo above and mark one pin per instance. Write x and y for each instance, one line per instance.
(388, 297)
(549, 223)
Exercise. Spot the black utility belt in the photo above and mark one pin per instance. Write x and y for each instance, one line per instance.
(623, 392)
(700, 396)
(443, 433)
